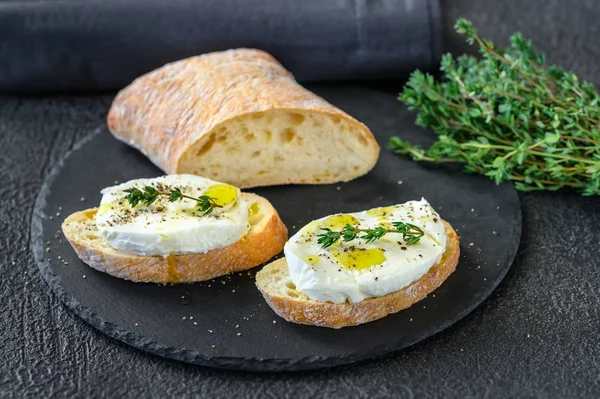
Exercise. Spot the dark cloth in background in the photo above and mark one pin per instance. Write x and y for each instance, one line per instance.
(75, 45)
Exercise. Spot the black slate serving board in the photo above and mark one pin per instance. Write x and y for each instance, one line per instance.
(151, 317)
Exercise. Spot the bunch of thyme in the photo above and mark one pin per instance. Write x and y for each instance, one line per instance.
(509, 117)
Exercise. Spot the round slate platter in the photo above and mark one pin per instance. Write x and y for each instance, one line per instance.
(176, 321)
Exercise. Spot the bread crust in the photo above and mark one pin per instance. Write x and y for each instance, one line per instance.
(166, 111)
(304, 310)
(264, 240)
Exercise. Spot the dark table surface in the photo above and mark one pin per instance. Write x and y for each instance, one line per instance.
(538, 334)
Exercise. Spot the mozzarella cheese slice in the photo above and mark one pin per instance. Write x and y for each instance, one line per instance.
(164, 227)
(356, 270)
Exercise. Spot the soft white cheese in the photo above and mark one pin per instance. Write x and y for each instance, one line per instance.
(356, 270)
(164, 227)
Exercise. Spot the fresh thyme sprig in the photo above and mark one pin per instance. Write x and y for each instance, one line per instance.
(411, 234)
(149, 194)
(509, 117)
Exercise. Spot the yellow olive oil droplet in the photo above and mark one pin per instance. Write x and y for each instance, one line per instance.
(359, 258)
(383, 222)
(337, 222)
(223, 194)
(383, 211)
(254, 209)
(254, 215)
(312, 260)
(90, 214)
(104, 208)
(312, 226)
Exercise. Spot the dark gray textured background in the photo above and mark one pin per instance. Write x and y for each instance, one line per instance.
(52, 45)
(536, 336)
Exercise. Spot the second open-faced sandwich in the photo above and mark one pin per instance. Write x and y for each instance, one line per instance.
(174, 229)
(349, 269)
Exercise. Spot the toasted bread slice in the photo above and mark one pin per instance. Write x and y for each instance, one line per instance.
(265, 239)
(275, 284)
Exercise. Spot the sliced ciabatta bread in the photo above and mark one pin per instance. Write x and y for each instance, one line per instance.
(265, 239)
(275, 284)
(239, 117)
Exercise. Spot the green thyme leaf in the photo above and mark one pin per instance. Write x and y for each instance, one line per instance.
(148, 195)
(411, 234)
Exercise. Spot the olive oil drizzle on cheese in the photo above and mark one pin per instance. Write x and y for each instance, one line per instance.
(223, 195)
(382, 211)
(312, 260)
(354, 258)
(339, 221)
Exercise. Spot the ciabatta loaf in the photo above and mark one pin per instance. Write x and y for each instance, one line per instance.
(239, 117)
(265, 239)
(275, 284)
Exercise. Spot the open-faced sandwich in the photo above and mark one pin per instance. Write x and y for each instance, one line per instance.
(349, 269)
(174, 229)
(239, 117)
